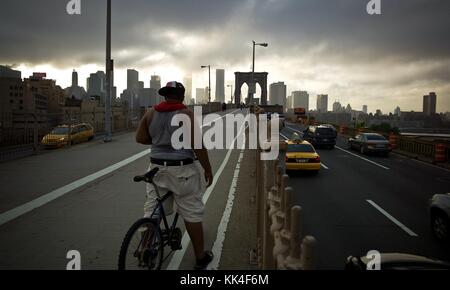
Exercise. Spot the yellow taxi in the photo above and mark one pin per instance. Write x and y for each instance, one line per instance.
(301, 155)
(59, 136)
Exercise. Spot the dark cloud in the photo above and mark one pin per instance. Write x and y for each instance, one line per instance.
(188, 32)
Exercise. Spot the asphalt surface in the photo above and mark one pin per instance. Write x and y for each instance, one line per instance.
(345, 206)
(94, 217)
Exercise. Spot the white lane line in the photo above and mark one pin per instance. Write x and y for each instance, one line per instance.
(210, 123)
(324, 166)
(220, 238)
(365, 159)
(284, 136)
(293, 130)
(46, 198)
(177, 257)
(394, 220)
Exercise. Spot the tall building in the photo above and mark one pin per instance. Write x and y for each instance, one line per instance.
(75, 91)
(289, 102)
(220, 85)
(300, 99)
(7, 72)
(132, 79)
(337, 107)
(278, 94)
(397, 111)
(187, 82)
(46, 97)
(74, 78)
(365, 109)
(147, 97)
(96, 85)
(322, 103)
(200, 96)
(12, 93)
(155, 83)
(429, 104)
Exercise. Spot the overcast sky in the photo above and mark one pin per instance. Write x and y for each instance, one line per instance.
(322, 46)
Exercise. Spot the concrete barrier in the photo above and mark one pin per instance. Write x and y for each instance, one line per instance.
(279, 235)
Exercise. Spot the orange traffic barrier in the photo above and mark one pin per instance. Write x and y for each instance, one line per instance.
(343, 130)
(393, 141)
(440, 153)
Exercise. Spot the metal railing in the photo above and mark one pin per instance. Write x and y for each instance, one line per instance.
(21, 133)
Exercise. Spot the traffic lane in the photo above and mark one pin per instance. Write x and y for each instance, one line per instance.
(28, 178)
(410, 186)
(349, 188)
(92, 220)
(336, 214)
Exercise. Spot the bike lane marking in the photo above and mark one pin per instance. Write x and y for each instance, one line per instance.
(46, 198)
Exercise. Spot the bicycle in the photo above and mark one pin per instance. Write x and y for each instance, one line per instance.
(151, 238)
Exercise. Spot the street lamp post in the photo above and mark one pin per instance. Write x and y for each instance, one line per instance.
(231, 92)
(209, 86)
(109, 68)
(253, 85)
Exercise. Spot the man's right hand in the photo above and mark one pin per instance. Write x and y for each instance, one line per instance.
(209, 178)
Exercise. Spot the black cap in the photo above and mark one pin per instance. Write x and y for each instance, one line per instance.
(173, 88)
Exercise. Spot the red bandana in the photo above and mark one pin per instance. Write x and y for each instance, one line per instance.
(169, 107)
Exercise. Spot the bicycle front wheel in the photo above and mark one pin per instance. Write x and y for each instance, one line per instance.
(142, 247)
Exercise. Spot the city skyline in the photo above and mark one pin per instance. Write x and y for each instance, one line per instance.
(335, 57)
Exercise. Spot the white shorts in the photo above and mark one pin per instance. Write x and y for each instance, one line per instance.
(188, 185)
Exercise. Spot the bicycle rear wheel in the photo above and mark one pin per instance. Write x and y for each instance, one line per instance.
(142, 247)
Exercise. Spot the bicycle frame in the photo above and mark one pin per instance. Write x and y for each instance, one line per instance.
(160, 201)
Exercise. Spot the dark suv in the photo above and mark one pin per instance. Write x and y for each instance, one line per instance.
(321, 136)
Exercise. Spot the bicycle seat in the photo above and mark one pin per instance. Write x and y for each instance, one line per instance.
(148, 177)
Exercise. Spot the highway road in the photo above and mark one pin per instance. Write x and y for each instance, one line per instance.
(85, 200)
(359, 203)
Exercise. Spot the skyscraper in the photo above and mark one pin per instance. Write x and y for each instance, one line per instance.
(132, 80)
(277, 93)
(75, 91)
(322, 103)
(96, 83)
(187, 82)
(397, 111)
(365, 109)
(200, 95)
(74, 79)
(429, 104)
(337, 107)
(300, 99)
(220, 85)
(155, 83)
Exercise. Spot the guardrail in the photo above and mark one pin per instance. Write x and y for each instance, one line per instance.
(434, 151)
